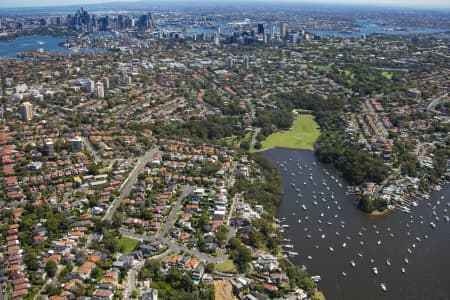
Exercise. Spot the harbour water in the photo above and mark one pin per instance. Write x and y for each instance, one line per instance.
(10, 49)
(331, 235)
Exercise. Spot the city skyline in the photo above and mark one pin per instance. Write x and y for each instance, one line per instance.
(395, 3)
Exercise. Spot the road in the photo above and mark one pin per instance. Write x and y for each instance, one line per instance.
(436, 101)
(173, 246)
(186, 190)
(126, 187)
(91, 150)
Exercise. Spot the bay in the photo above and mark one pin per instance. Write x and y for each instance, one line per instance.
(378, 238)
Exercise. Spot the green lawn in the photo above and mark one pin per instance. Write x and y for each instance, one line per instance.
(325, 68)
(128, 244)
(387, 75)
(226, 267)
(303, 135)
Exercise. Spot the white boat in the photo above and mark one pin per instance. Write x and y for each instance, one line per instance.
(304, 207)
(331, 249)
(432, 225)
(375, 270)
(379, 242)
(388, 262)
(360, 255)
(403, 270)
(323, 236)
(309, 257)
(352, 263)
(344, 274)
(316, 278)
(409, 251)
(406, 260)
(288, 246)
(383, 287)
(292, 253)
(344, 245)
(299, 220)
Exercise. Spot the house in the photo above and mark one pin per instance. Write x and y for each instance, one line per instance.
(150, 294)
(103, 294)
(198, 272)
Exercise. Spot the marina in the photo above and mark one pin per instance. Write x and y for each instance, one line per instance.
(356, 252)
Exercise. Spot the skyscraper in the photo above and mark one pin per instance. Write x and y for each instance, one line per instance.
(26, 111)
(105, 81)
(230, 62)
(245, 62)
(260, 28)
(283, 29)
(89, 86)
(99, 92)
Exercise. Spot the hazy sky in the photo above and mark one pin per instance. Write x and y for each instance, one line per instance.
(405, 3)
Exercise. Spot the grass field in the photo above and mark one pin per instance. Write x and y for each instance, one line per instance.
(387, 75)
(128, 244)
(303, 135)
(325, 68)
(226, 267)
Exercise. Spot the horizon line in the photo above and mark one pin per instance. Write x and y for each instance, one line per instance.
(416, 6)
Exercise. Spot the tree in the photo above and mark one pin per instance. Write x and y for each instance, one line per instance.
(50, 268)
(222, 234)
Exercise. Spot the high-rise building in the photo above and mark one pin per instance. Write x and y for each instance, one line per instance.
(105, 81)
(230, 62)
(99, 92)
(26, 111)
(260, 28)
(89, 86)
(245, 62)
(283, 29)
(49, 147)
(76, 144)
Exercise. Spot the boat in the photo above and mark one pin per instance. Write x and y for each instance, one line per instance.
(309, 257)
(352, 263)
(383, 287)
(379, 242)
(409, 251)
(360, 255)
(344, 245)
(288, 246)
(388, 262)
(375, 270)
(292, 253)
(323, 236)
(304, 207)
(432, 225)
(285, 225)
(344, 274)
(331, 249)
(299, 221)
(372, 261)
(316, 278)
(403, 270)
(406, 260)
